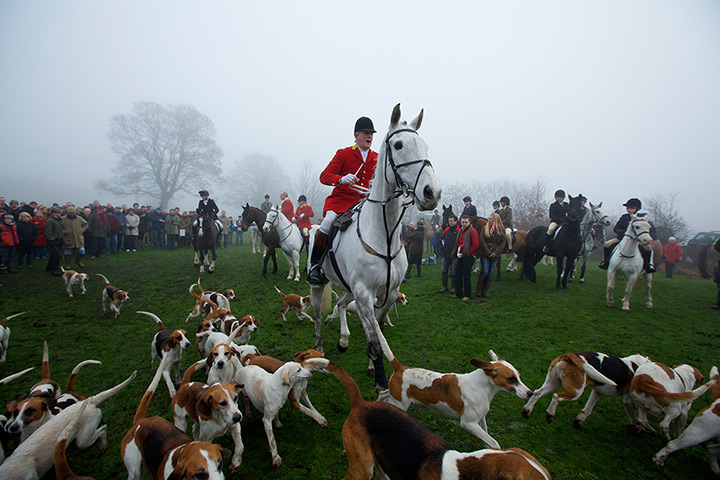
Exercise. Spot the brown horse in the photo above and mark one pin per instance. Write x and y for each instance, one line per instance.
(270, 238)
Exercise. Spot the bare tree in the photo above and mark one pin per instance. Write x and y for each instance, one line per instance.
(164, 149)
(664, 215)
(308, 184)
(252, 177)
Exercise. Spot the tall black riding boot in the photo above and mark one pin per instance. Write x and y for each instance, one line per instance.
(606, 261)
(647, 260)
(546, 248)
(315, 275)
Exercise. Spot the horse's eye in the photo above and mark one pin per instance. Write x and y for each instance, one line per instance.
(398, 145)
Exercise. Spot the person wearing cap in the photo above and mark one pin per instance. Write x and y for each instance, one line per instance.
(73, 226)
(98, 228)
(672, 253)
(157, 219)
(54, 235)
(350, 166)
(469, 209)
(505, 214)
(9, 240)
(303, 214)
(267, 205)
(558, 216)
(286, 206)
(632, 207)
(27, 233)
(208, 206)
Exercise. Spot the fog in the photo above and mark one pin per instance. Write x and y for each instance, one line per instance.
(611, 99)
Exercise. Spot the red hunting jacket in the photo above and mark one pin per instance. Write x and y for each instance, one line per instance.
(287, 209)
(307, 211)
(347, 160)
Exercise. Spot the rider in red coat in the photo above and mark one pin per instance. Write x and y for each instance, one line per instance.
(286, 208)
(303, 214)
(350, 166)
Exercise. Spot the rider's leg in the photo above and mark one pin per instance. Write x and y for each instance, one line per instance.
(549, 236)
(315, 275)
(508, 237)
(648, 263)
(609, 246)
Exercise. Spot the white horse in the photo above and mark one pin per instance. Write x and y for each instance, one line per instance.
(369, 259)
(256, 239)
(291, 240)
(628, 262)
(593, 216)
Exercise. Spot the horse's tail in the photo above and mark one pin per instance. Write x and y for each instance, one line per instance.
(702, 261)
(2, 322)
(107, 282)
(159, 322)
(327, 298)
(352, 388)
(386, 349)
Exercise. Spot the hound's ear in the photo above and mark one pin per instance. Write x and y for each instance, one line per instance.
(483, 365)
(209, 361)
(204, 405)
(418, 120)
(285, 377)
(238, 386)
(395, 117)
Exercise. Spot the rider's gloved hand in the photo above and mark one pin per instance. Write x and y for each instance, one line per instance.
(349, 178)
(459, 254)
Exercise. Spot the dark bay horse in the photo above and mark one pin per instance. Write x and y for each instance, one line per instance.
(270, 238)
(565, 246)
(204, 241)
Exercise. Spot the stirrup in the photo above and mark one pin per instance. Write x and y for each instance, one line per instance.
(316, 276)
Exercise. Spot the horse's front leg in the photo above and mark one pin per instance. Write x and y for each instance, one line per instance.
(364, 302)
(560, 264)
(296, 264)
(316, 299)
(629, 285)
(582, 269)
(611, 276)
(211, 268)
(569, 268)
(648, 289)
(196, 262)
(290, 265)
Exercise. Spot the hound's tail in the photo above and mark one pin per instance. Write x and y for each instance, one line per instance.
(386, 349)
(144, 405)
(233, 334)
(2, 322)
(281, 293)
(650, 387)
(716, 386)
(107, 282)
(192, 291)
(45, 361)
(62, 469)
(352, 388)
(12, 377)
(102, 396)
(591, 371)
(200, 286)
(70, 387)
(192, 369)
(159, 322)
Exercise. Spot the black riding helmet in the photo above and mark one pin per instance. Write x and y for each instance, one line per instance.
(633, 202)
(560, 193)
(203, 192)
(505, 200)
(467, 199)
(364, 124)
(302, 198)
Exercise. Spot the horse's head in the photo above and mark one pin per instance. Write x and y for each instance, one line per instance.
(598, 215)
(639, 229)
(271, 220)
(574, 208)
(406, 163)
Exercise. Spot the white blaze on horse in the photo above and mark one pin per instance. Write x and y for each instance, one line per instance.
(291, 240)
(205, 242)
(593, 216)
(369, 259)
(627, 261)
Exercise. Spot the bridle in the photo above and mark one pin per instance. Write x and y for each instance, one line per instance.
(402, 190)
(635, 237)
(274, 224)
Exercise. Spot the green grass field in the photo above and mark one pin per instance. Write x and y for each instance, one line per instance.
(526, 324)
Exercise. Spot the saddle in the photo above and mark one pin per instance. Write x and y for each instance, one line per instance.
(343, 221)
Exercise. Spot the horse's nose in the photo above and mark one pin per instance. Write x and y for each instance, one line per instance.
(429, 193)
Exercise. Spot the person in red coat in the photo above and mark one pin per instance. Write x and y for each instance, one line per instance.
(40, 244)
(303, 214)
(350, 166)
(672, 253)
(286, 207)
(466, 248)
(8, 241)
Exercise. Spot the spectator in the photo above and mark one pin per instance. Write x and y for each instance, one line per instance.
(672, 254)
(40, 244)
(111, 241)
(8, 242)
(172, 228)
(465, 249)
(449, 261)
(238, 231)
(120, 215)
(144, 227)
(184, 229)
(27, 233)
(225, 230)
(54, 234)
(266, 206)
(158, 227)
(14, 209)
(132, 228)
(716, 246)
(437, 242)
(492, 244)
(98, 227)
(73, 227)
(416, 238)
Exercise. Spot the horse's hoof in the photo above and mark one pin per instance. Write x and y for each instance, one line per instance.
(371, 372)
(549, 418)
(625, 310)
(342, 349)
(610, 304)
(582, 281)
(263, 275)
(649, 305)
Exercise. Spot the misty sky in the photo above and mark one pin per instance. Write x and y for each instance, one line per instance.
(613, 99)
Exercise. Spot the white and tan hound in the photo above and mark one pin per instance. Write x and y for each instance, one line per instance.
(5, 335)
(299, 303)
(114, 296)
(221, 300)
(71, 278)
(381, 438)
